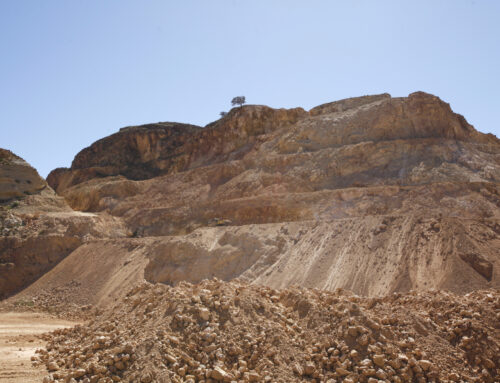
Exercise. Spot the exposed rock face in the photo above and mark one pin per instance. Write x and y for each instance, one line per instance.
(137, 152)
(348, 103)
(405, 142)
(37, 242)
(376, 194)
(37, 227)
(143, 152)
(373, 194)
(17, 177)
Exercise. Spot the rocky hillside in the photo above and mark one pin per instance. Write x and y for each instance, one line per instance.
(17, 177)
(375, 194)
(216, 254)
(37, 227)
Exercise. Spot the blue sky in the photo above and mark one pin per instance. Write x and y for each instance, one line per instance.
(74, 71)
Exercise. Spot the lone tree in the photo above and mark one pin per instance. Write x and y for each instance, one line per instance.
(239, 100)
(223, 114)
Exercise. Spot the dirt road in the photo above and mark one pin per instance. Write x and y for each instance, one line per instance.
(18, 342)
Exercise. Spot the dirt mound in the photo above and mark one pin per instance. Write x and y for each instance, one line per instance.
(371, 257)
(70, 301)
(217, 331)
(97, 273)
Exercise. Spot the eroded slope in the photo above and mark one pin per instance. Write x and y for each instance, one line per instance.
(37, 227)
(375, 194)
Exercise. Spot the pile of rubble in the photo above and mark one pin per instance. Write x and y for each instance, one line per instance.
(229, 331)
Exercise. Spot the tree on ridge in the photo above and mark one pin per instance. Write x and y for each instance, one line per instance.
(238, 100)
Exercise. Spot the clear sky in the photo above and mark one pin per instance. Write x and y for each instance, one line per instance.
(74, 71)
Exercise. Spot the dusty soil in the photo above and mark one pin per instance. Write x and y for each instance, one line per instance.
(398, 254)
(19, 339)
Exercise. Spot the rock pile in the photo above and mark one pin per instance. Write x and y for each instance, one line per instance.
(216, 331)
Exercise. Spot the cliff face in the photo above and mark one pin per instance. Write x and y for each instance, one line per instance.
(144, 152)
(258, 165)
(374, 193)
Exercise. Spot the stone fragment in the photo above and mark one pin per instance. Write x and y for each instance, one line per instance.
(310, 368)
(352, 331)
(79, 373)
(379, 360)
(381, 374)
(297, 369)
(363, 339)
(253, 376)
(204, 313)
(342, 371)
(219, 373)
(425, 364)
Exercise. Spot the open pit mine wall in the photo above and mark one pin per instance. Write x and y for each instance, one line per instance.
(374, 194)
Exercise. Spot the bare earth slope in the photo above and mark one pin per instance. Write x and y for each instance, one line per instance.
(268, 212)
(37, 227)
(375, 194)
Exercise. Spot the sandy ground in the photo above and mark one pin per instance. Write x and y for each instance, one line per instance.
(18, 342)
